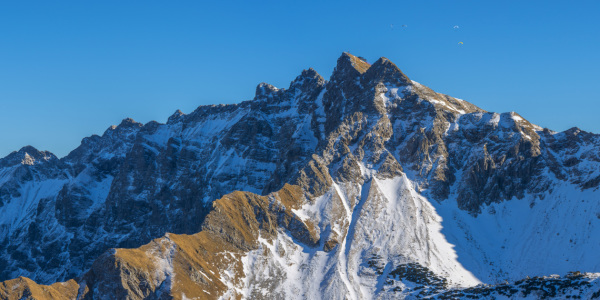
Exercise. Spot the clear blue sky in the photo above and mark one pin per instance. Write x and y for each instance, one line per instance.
(69, 69)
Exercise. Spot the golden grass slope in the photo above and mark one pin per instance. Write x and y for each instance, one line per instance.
(179, 266)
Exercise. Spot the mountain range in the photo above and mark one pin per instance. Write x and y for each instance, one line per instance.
(368, 185)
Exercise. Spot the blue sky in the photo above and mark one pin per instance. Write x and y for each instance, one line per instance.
(70, 69)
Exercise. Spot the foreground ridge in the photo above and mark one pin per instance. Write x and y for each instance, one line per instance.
(366, 185)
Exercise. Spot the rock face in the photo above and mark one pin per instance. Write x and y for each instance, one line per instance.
(368, 185)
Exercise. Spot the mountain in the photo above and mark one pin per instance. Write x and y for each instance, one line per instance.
(366, 185)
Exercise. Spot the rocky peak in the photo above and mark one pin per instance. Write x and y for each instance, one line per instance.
(310, 73)
(349, 67)
(27, 155)
(175, 117)
(265, 90)
(129, 123)
(383, 70)
(303, 90)
(124, 129)
(573, 133)
(307, 80)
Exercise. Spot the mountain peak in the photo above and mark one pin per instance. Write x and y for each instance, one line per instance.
(310, 74)
(129, 122)
(29, 149)
(349, 67)
(125, 128)
(27, 155)
(264, 90)
(176, 116)
(385, 70)
(308, 79)
(356, 62)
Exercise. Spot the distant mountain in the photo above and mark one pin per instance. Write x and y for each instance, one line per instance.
(367, 185)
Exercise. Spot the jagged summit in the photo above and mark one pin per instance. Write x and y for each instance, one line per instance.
(351, 67)
(348, 60)
(308, 79)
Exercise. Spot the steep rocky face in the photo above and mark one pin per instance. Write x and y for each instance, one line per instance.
(368, 185)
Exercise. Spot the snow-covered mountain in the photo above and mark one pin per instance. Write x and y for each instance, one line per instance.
(367, 185)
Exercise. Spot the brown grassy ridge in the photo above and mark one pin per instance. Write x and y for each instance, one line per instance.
(359, 64)
(25, 288)
(180, 265)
